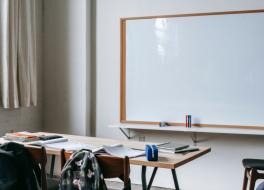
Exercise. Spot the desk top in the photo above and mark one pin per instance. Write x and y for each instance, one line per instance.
(166, 160)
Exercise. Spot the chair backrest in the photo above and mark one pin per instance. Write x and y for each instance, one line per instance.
(111, 167)
(40, 157)
(114, 167)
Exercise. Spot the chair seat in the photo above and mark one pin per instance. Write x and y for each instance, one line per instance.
(253, 163)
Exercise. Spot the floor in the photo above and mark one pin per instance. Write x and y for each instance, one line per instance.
(119, 185)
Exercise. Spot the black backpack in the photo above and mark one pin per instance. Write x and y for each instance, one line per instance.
(17, 168)
(82, 172)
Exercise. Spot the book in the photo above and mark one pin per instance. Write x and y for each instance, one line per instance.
(49, 137)
(189, 149)
(171, 146)
(48, 141)
(184, 150)
(23, 136)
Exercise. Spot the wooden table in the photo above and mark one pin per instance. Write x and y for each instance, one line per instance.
(166, 160)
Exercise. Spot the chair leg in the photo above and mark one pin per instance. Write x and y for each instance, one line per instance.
(245, 179)
(253, 179)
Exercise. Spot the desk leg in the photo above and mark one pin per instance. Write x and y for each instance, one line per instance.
(52, 165)
(144, 180)
(175, 179)
(152, 177)
(143, 177)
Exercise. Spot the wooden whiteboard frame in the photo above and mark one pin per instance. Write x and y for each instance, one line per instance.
(123, 69)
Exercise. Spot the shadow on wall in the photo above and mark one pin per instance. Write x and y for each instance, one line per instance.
(93, 70)
(65, 66)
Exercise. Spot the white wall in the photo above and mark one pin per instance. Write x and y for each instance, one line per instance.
(22, 119)
(219, 170)
(65, 66)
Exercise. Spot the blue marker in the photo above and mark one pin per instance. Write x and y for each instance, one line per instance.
(189, 121)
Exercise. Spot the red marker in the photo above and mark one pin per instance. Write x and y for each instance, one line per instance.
(186, 121)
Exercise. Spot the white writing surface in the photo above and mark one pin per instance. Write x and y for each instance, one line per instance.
(208, 66)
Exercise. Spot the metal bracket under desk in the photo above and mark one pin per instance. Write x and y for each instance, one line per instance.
(128, 135)
(194, 138)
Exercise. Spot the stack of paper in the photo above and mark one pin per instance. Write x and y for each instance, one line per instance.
(23, 136)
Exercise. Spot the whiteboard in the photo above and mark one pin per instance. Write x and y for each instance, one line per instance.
(208, 66)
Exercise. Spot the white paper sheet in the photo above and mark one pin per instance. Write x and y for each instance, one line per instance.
(70, 145)
(121, 151)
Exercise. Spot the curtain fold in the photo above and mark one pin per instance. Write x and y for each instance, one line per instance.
(18, 53)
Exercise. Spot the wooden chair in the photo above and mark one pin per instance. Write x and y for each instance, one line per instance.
(39, 156)
(111, 167)
(50, 183)
(251, 175)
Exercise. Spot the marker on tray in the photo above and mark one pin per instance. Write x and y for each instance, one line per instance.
(189, 121)
(186, 121)
(163, 124)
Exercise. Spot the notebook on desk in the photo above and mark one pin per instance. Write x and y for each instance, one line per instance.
(184, 150)
(22, 136)
(171, 146)
(122, 151)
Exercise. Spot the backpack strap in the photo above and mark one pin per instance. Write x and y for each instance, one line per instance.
(6, 153)
(66, 179)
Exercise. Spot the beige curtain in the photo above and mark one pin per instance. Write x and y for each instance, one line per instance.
(18, 53)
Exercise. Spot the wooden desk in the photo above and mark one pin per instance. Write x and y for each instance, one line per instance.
(166, 160)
